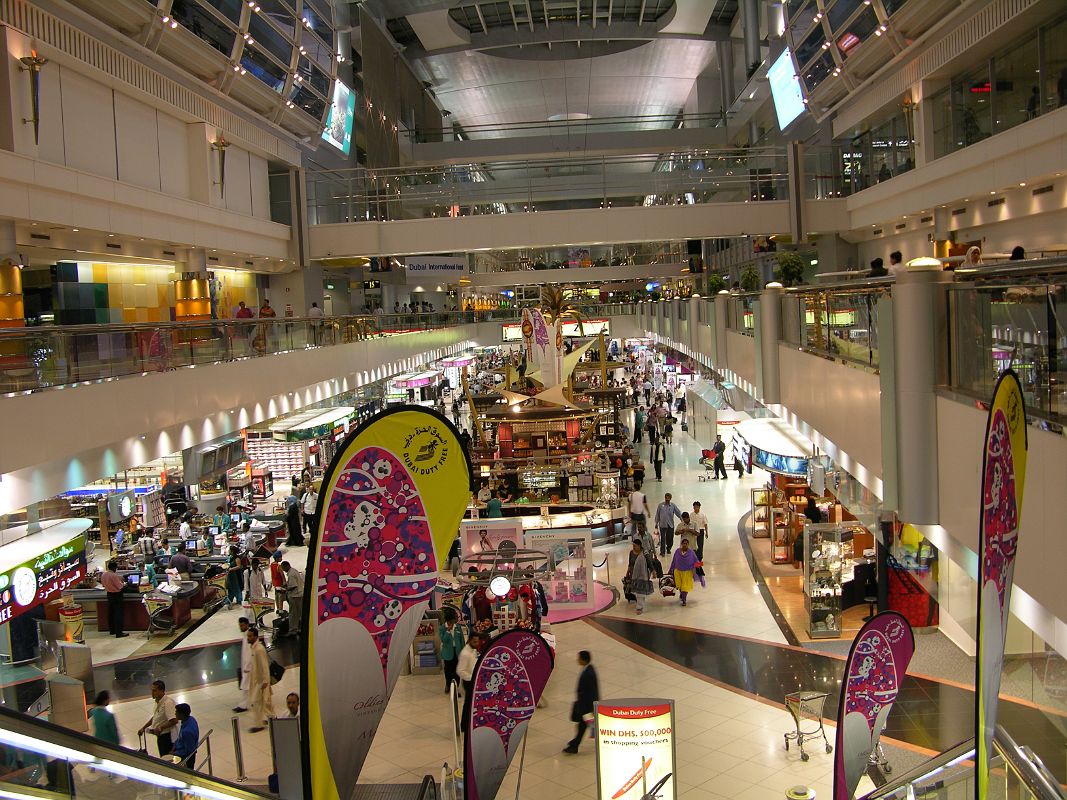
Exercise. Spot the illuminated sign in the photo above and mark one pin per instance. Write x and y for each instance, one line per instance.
(783, 465)
(785, 90)
(512, 331)
(635, 749)
(41, 579)
(338, 131)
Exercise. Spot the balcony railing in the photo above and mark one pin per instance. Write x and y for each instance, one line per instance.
(686, 178)
(38, 358)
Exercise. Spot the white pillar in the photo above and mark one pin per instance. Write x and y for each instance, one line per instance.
(769, 334)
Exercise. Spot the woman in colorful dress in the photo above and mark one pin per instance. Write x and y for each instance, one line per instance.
(683, 565)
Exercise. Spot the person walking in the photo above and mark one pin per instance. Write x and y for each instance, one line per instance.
(315, 315)
(260, 697)
(234, 577)
(308, 503)
(588, 694)
(658, 456)
(163, 719)
(188, 736)
(114, 585)
(292, 522)
(719, 449)
(294, 593)
(451, 646)
(468, 659)
(639, 423)
(664, 523)
(246, 665)
(639, 512)
(699, 524)
(638, 574)
(277, 580)
(103, 721)
(683, 565)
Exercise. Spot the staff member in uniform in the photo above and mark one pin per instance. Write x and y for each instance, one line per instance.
(114, 584)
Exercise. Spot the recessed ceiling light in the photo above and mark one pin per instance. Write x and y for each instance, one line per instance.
(75, 229)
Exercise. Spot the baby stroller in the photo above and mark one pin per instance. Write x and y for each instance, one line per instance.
(666, 586)
(707, 460)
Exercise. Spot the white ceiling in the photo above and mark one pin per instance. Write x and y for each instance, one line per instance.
(652, 79)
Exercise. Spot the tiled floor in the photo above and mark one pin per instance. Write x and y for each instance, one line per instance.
(729, 743)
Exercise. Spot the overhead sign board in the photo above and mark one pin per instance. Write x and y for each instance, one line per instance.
(512, 331)
(437, 268)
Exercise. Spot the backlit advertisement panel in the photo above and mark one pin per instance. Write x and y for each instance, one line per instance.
(339, 121)
(635, 749)
(512, 331)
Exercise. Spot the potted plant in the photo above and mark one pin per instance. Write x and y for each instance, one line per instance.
(750, 279)
(790, 269)
(716, 283)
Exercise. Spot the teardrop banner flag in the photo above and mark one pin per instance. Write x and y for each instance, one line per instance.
(874, 671)
(1003, 478)
(508, 680)
(389, 508)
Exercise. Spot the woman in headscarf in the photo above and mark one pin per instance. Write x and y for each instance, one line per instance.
(292, 522)
(683, 565)
(638, 574)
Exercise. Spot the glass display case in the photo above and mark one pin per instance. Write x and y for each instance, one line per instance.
(571, 579)
(768, 509)
(607, 485)
(828, 563)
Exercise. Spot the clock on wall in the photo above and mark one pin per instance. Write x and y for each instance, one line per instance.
(24, 584)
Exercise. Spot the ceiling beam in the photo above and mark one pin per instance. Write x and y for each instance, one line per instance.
(481, 19)
(557, 32)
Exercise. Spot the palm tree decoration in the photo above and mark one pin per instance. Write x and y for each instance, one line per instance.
(554, 306)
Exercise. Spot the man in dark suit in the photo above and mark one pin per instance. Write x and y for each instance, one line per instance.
(588, 693)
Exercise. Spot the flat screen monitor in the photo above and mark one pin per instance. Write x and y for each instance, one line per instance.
(235, 517)
(339, 121)
(191, 545)
(133, 580)
(785, 90)
(213, 531)
(121, 506)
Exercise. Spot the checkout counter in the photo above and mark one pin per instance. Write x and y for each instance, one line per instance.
(134, 613)
(606, 524)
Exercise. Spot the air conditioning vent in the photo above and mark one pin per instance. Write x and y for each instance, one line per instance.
(901, 226)
(168, 252)
(42, 236)
(1042, 190)
(924, 220)
(114, 246)
(957, 211)
(998, 201)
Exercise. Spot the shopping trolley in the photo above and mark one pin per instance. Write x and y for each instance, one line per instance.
(806, 707)
(260, 608)
(706, 460)
(214, 588)
(160, 614)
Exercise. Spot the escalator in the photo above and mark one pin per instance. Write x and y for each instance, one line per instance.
(1016, 773)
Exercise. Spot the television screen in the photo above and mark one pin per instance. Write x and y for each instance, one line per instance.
(134, 580)
(235, 517)
(121, 506)
(785, 89)
(213, 530)
(339, 121)
(191, 544)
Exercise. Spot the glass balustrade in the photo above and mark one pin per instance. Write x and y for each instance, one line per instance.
(46, 357)
(508, 187)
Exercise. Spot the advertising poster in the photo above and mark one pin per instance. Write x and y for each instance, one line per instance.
(571, 581)
(1003, 479)
(635, 749)
(490, 535)
(390, 504)
(874, 671)
(342, 115)
(508, 681)
(513, 331)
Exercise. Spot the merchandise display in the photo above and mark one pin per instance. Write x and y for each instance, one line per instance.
(828, 563)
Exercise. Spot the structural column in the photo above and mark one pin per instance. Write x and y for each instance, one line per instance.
(919, 331)
(722, 309)
(770, 333)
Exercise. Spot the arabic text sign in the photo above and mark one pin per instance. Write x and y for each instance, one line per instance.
(635, 749)
(42, 578)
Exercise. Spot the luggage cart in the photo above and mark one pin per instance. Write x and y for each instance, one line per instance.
(806, 707)
(260, 609)
(160, 614)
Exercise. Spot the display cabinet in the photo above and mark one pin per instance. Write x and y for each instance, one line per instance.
(425, 655)
(782, 529)
(828, 563)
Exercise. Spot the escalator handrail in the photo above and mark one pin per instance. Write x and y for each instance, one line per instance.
(1031, 770)
(428, 788)
(96, 751)
(953, 755)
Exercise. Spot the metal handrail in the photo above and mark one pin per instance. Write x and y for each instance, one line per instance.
(85, 749)
(427, 789)
(206, 741)
(1030, 769)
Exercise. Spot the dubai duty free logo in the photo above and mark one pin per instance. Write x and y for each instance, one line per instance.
(425, 450)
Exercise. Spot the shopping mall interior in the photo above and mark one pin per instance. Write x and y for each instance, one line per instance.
(312, 489)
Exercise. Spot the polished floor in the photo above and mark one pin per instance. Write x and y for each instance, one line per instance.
(724, 659)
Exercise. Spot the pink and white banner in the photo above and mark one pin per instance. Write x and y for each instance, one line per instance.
(508, 680)
(874, 672)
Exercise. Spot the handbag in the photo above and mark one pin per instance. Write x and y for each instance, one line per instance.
(685, 426)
